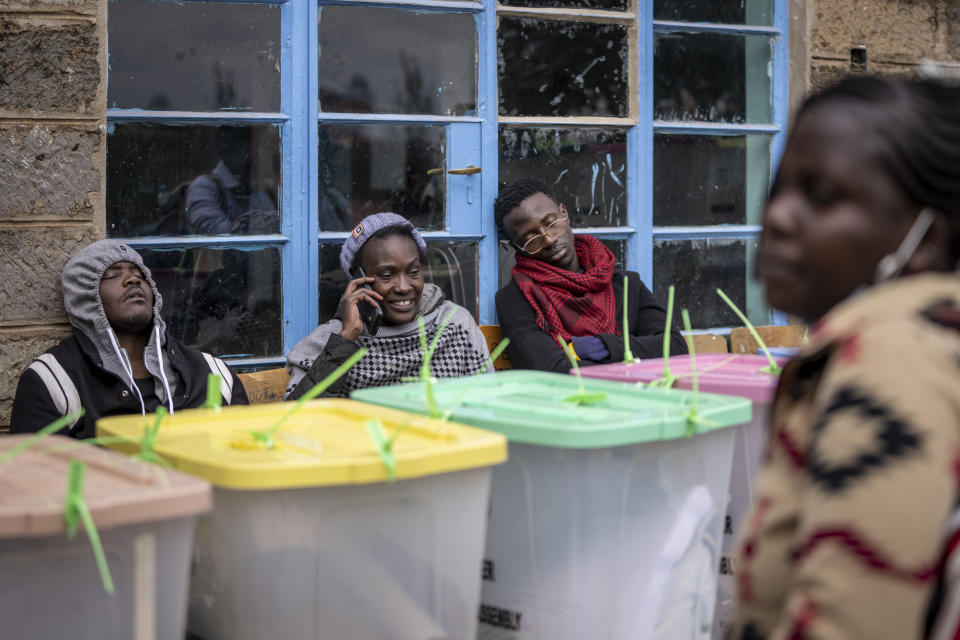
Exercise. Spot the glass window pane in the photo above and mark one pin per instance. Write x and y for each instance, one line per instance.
(506, 257)
(752, 12)
(552, 68)
(375, 60)
(180, 180)
(706, 180)
(451, 265)
(711, 77)
(194, 56)
(697, 268)
(223, 301)
(585, 167)
(369, 168)
(609, 5)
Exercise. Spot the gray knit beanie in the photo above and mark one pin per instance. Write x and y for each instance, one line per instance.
(369, 226)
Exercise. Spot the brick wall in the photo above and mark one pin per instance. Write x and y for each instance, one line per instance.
(52, 164)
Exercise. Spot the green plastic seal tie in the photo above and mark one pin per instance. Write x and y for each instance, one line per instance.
(383, 447)
(214, 397)
(266, 437)
(668, 378)
(773, 368)
(693, 417)
(74, 509)
(627, 354)
(48, 430)
(149, 437)
(582, 396)
(425, 374)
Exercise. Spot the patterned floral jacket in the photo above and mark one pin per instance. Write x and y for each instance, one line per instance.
(849, 531)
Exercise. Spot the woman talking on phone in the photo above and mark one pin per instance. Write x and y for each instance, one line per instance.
(379, 311)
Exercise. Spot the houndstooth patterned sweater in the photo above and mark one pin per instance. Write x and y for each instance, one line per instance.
(393, 354)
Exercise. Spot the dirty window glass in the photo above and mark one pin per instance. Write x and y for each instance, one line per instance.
(223, 301)
(707, 180)
(451, 265)
(586, 168)
(711, 77)
(752, 12)
(697, 268)
(608, 5)
(183, 180)
(554, 68)
(375, 60)
(369, 168)
(195, 56)
(506, 257)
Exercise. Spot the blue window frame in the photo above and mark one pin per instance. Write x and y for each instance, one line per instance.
(471, 137)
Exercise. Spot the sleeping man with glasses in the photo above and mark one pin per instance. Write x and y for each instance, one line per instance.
(568, 287)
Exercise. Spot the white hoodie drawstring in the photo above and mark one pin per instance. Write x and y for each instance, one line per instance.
(163, 375)
(127, 368)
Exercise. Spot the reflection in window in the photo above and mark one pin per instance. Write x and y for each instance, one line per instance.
(506, 258)
(707, 180)
(452, 266)
(179, 180)
(752, 12)
(586, 168)
(552, 68)
(697, 268)
(194, 56)
(369, 168)
(375, 60)
(711, 77)
(608, 5)
(223, 301)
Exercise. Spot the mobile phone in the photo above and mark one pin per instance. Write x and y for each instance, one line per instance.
(371, 314)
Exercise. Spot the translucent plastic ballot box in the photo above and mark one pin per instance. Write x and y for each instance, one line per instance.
(745, 376)
(50, 586)
(606, 522)
(328, 532)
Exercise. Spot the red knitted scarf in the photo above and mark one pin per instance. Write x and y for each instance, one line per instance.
(567, 302)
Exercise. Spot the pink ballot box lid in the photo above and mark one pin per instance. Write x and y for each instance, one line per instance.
(726, 373)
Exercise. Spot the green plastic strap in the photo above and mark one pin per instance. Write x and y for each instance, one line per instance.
(266, 437)
(805, 340)
(383, 447)
(425, 374)
(582, 396)
(214, 397)
(693, 417)
(149, 437)
(773, 368)
(75, 508)
(668, 378)
(627, 354)
(48, 430)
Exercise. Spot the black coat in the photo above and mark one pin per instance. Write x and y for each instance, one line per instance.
(104, 394)
(533, 348)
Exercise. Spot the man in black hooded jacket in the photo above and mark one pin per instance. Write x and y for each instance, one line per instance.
(120, 359)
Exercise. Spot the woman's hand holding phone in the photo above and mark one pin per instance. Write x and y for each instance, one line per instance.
(357, 290)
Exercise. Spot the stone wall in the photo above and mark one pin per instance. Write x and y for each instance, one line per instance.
(52, 165)
(889, 37)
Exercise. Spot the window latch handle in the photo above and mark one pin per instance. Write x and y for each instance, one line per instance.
(469, 170)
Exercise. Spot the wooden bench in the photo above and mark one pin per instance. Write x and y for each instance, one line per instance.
(741, 341)
(494, 336)
(265, 386)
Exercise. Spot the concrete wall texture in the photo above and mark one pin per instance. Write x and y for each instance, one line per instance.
(52, 166)
(53, 131)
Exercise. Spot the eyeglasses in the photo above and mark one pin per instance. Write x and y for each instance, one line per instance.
(537, 243)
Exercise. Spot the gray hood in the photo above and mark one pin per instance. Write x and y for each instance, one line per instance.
(81, 297)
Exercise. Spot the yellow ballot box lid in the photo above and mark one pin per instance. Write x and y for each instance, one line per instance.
(324, 443)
